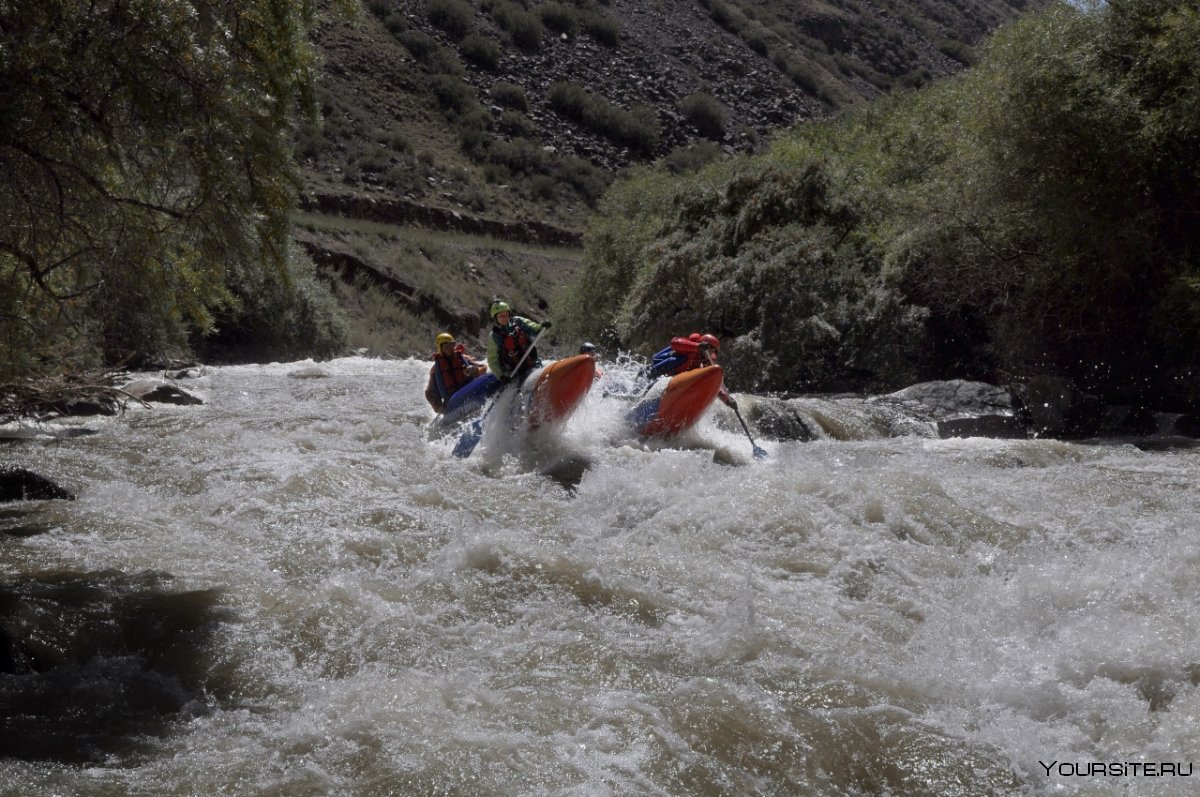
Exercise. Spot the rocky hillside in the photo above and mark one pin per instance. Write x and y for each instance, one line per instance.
(508, 119)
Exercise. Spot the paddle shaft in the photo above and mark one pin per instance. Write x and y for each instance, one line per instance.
(758, 452)
(532, 345)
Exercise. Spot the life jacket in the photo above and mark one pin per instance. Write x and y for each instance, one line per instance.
(676, 358)
(451, 373)
(511, 342)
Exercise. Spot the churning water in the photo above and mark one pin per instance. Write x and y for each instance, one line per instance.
(292, 591)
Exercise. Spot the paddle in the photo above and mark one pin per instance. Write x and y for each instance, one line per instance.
(474, 432)
(759, 453)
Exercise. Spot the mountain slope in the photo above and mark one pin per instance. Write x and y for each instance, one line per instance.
(441, 113)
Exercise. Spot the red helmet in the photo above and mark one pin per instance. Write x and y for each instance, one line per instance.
(694, 337)
(710, 340)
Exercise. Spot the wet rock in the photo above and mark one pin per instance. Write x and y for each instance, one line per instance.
(160, 392)
(19, 484)
(1054, 407)
(87, 406)
(953, 398)
(778, 420)
(1125, 420)
(1188, 425)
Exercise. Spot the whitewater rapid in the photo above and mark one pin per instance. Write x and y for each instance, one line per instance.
(292, 590)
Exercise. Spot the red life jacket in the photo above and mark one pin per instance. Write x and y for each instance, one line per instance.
(451, 373)
(512, 341)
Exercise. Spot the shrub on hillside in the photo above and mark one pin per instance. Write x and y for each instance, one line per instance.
(692, 157)
(639, 129)
(510, 95)
(453, 94)
(587, 179)
(617, 236)
(481, 51)
(418, 43)
(524, 28)
(602, 28)
(395, 23)
(703, 111)
(452, 16)
(515, 123)
(559, 17)
(776, 254)
(436, 58)
(380, 8)
(519, 156)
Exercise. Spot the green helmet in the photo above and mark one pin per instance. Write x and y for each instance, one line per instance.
(497, 308)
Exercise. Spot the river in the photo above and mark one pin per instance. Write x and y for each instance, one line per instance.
(291, 590)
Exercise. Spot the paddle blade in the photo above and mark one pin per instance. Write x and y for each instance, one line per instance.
(469, 439)
(760, 453)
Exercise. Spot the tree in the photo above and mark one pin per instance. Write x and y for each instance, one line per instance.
(147, 153)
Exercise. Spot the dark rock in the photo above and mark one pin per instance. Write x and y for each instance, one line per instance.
(778, 420)
(1126, 420)
(1188, 425)
(10, 655)
(87, 406)
(160, 392)
(19, 484)
(1054, 407)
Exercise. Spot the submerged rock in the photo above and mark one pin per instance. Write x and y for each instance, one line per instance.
(19, 484)
(727, 456)
(997, 426)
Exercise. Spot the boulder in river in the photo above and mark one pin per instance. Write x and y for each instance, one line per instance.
(156, 390)
(19, 484)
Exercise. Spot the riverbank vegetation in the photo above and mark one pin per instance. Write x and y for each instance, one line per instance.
(149, 182)
(1037, 214)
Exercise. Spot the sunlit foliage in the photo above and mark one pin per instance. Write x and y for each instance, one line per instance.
(147, 153)
(1037, 214)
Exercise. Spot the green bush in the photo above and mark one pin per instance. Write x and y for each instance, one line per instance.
(380, 8)
(166, 193)
(395, 23)
(515, 123)
(519, 156)
(525, 28)
(481, 51)
(510, 95)
(703, 111)
(452, 16)
(277, 317)
(602, 28)
(587, 179)
(453, 94)
(692, 157)
(418, 43)
(559, 17)
(638, 129)
(1027, 217)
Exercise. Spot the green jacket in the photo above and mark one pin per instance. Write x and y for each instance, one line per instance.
(507, 344)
